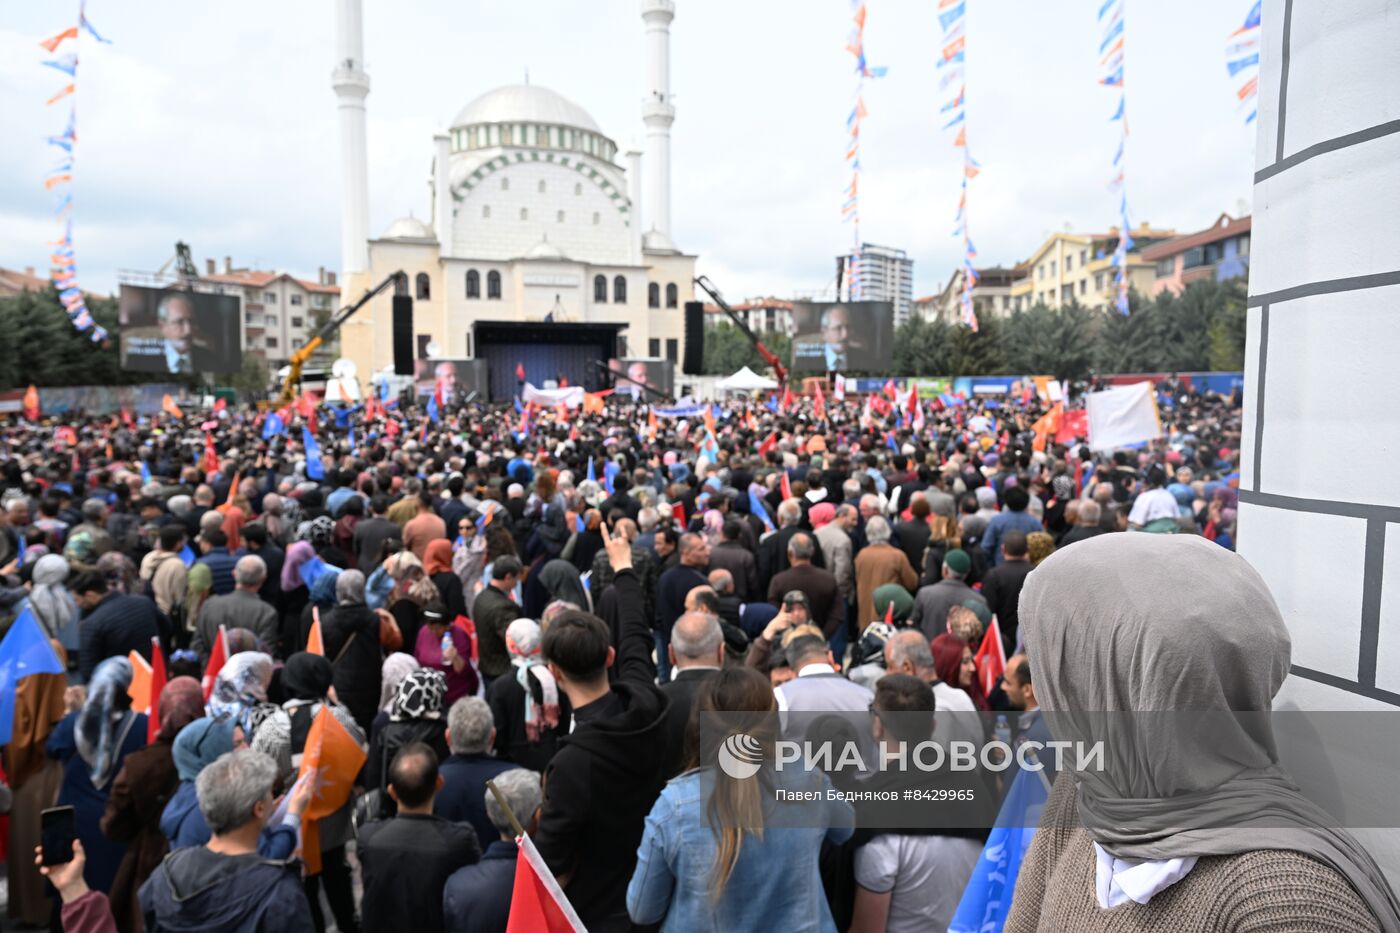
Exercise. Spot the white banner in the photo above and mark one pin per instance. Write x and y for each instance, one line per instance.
(1123, 415)
(572, 397)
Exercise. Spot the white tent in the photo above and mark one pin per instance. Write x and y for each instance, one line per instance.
(745, 380)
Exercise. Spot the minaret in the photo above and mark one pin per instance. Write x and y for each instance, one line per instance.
(658, 114)
(634, 191)
(442, 193)
(351, 85)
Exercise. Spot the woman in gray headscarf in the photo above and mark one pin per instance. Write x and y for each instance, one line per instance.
(350, 633)
(240, 686)
(1191, 823)
(91, 744)
(51, 603)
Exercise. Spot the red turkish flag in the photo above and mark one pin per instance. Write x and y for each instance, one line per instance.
(990, 658)
(537, 902)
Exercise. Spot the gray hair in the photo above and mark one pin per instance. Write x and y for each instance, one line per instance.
(232, 786)
(94, 510)
(800, 547)
(522, 791)
(250, 571)
(877, 530)
(1089, 512)
(469, 725)
(870, 501)
(789, 512)
(350, 588)
(180, 505)
(912, 646)
(696, 636)
(211, 521)
(647, 519)
(722, 580)
(845, 509)
(850, 489)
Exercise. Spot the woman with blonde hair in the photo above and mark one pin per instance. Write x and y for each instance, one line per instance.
(717, 852)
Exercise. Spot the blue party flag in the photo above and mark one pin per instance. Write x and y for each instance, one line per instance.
(273, 426)
(610, 470)
(23, 548)
(187, 555)
(434, 412)
(145, 472)
(519, 408)
(758, 509)
(592, 471)
(986, 900)
(314, 468)
(578, 524)
(24, 651)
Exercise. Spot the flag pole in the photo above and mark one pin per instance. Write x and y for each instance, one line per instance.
(510, 814)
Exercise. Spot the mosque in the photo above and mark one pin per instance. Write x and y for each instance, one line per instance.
(543, 250)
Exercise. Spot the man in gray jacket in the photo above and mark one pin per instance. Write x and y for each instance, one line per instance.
(932, 602)
(240, 609)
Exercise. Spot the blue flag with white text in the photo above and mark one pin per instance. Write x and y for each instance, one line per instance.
(25, 651)
(314, 468)
(987, 898)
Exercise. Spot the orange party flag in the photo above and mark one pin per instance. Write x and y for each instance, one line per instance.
(53, 42)
(140, 687)
(332, 757)
(167, 405)
(314, 645)
(31, 403)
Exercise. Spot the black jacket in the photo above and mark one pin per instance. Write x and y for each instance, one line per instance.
(681, 691)
(507, 700)
(117, 625)
(477, 898)
(1002, 590)
(406, 862)
(740, 562)
(773, 558)
(602, 782)
(356, 662)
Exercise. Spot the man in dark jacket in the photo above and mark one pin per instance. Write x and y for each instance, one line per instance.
(697, 651)
(371, 534)
(773, 551)
(225, 886)
(601, 784)
(493, 611)
(1002, 586)
(730, 554)
(114, 624)
(671, 591)
(823, 594)
(471, 731)
(477, 897)
(407, 860)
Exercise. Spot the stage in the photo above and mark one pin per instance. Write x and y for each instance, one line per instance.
(547, 351)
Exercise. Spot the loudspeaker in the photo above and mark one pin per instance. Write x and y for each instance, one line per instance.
(403, 335)
(694, 361)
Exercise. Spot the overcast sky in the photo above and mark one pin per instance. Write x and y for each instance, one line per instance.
(215, 124)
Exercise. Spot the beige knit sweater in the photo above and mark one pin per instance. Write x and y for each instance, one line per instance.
(1268, 891)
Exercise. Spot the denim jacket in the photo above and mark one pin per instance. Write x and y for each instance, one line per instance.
(775, 884)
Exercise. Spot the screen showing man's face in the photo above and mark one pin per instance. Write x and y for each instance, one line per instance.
(637, 372)
(447, 375)
(836, 329)
(178, 324)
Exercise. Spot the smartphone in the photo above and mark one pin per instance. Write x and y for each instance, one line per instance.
(58, 829)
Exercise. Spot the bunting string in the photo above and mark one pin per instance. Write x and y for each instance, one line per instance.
(1111, 52)
(850, 205)
(951, 63)
(1242, 62)
(59, 180)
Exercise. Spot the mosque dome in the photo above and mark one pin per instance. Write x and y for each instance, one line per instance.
(545, 250)
(525, 103)
(409, 228)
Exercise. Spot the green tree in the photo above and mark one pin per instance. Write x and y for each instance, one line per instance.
(252, 381)
(976, 353)
(42, 347)
(920, 347)
(727, 349)
(1055, 342)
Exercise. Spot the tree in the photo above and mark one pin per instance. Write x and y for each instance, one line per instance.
(1055, 342)
(252, 381)
(920, 347)
(727, 349)
(42, 347)
(976, 353)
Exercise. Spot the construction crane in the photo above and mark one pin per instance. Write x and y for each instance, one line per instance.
(768, 355)
(303, 353)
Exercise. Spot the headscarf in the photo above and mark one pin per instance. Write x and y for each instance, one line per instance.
(560, 579)
(307, 676)
(105, 708)
(52, 605)
(298, 554)
(892, 593)
(324, 588)
(240, 640)
(200, 744)
(397, 666)
(181, 703)
(234, 520)
(1109, 627)
(524, 642)
(821, 514)
(437, 558)
(349, 588)
(419, 696)
(242, 683)
(1063, 487)
(271, 734)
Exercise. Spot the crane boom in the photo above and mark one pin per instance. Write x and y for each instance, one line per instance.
(327, 331)
(768, 355)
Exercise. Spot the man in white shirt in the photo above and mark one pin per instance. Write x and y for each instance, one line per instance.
(1154, 503)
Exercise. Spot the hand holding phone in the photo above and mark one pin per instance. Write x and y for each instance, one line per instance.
(58, 832)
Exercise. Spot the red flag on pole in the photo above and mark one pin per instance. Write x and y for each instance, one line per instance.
(890, 390)
(788, 399)
(519, 372)
(990, 658)
(819, 405)
(769, 443)
(786, 487)
(31, 403)
(678, 513)
(210, 463)
(217, 656)
(157, 685)
(537, 902)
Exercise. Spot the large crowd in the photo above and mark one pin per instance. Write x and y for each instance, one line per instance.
(547, 599)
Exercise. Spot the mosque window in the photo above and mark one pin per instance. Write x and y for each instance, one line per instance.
(473, 284)
(422, 287)
(505, 135)
(505, 184)
(531, 136)
(653, 295)
(554, 137)
(597, 218)
(559, 217)
(578, 188)
(524, 213)
(671, 295)
(495, 133)
(493, 284)
(486, 212)
(541, 186)
(600, 289)
(620, 290)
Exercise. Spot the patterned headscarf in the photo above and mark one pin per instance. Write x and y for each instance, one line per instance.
(181, 703)
(242, 683)
(271, 734)
(107, 705)
(1063, 487)
(524, 641)
(397, 666)
(420, 696)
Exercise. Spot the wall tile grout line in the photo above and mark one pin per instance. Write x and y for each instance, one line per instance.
(1328, 287)
(1337, 144)
(1283, 77)
(1260, 375)
(1372, 579)
(1341, 683)
(1384, 513)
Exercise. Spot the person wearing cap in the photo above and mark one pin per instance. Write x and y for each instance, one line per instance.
(932, 602)
(1155, 508)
